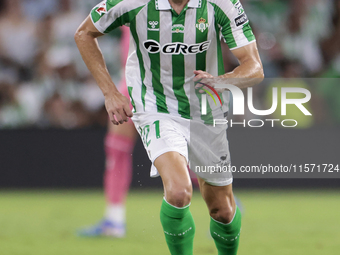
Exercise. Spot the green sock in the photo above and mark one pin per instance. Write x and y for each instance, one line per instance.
(227, 236)
(179, 228)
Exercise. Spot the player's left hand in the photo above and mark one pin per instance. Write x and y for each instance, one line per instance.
(201, 78)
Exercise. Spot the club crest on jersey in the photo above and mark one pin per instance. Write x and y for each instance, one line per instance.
(153, 25)
(202, 25)
(177, 28)
(102, 8)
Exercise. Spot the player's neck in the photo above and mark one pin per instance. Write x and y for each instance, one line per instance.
(178, 5)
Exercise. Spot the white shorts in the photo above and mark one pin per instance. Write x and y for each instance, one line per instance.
(204, 147)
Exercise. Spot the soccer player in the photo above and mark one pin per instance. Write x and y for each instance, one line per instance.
(174, 44)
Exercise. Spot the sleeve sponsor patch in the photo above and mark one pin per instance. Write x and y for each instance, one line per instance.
(240, 20)
(102, 8)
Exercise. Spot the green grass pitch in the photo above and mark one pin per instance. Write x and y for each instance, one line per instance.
(274, 222)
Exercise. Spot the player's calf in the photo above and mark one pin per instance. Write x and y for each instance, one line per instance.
(222, 213)
(225, 222)
(177, 221)
(179, 228)
(227, 236)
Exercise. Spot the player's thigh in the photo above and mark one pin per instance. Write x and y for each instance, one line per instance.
(160, 134)
(166, 145)
(219, 199)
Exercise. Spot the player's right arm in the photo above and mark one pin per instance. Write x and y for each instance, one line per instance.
(116, 104)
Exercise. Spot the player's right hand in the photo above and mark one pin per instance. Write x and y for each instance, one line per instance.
(118, 108)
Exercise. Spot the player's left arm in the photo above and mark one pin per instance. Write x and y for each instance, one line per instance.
(247, 74)
(250, 70)
(237, 33)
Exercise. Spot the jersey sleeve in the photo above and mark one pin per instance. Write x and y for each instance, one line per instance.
(233, 23)
(110, 14)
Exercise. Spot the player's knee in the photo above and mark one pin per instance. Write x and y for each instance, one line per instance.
(224, 215)
(179, 197)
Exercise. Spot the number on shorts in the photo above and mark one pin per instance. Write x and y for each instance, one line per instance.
(144, 133)
(158, 133)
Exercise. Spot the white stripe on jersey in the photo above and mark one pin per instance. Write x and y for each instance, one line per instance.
(134, 75)
(166, 64)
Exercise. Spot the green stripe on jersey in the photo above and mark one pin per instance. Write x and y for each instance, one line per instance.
(140, 59)
(155, 68)
(222, 19)
(124, 19)
(178, 68)
(201, 63)
(248, 32)
(132, 101)
(201, 35)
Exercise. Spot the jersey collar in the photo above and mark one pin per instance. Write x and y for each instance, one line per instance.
(163, 5)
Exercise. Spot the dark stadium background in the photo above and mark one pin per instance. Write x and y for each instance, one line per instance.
(70, 159)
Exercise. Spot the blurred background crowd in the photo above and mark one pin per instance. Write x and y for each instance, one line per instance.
(44, 83)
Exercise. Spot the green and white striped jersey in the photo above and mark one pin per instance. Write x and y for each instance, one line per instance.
(166, 47)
